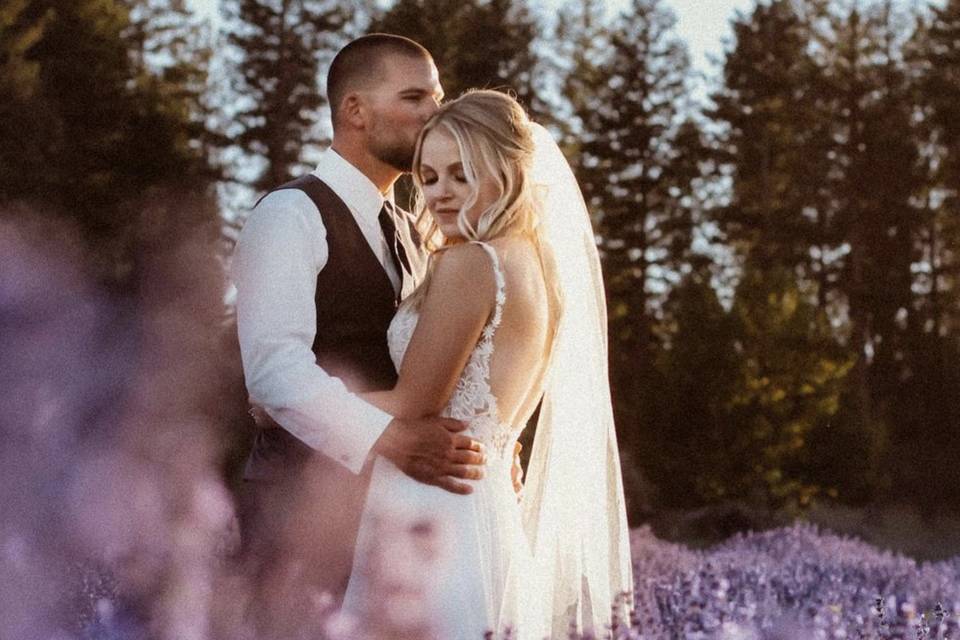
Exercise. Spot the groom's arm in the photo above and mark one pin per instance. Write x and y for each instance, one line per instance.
(281, 249)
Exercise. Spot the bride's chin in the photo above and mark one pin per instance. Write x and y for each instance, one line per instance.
(451, 236)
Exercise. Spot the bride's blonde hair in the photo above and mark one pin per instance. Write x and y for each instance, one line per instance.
(493, 135)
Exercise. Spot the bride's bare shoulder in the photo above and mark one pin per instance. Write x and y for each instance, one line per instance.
(518, 255)
(461, 257)
(524, 276)
(463, 268)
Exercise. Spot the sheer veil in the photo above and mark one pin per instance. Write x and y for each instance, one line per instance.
(573, 505)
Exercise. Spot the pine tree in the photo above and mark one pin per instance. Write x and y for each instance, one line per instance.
(172, 50)
(95, 137)
(279, 47)
(476, 44)
(636, 166)
(873, 184)
(925, 411)
(942, 86)
(775, 146)
(696, 371)
(936, 61)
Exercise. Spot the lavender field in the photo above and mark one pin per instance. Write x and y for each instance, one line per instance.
(96, 463)
(792, 583)
(796, 583)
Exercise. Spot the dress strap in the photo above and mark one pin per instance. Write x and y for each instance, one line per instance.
(501, 286)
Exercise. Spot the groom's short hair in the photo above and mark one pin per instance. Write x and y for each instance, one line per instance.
(361, 62)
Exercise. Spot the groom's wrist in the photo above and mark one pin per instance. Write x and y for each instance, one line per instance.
(387, 444)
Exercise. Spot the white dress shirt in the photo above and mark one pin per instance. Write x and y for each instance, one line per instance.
(279, 253)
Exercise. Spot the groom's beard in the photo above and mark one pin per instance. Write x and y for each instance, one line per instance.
(397, 155)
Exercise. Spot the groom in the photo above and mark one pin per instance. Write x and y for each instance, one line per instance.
(320, 267)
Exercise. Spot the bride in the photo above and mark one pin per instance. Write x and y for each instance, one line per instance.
(509, 314)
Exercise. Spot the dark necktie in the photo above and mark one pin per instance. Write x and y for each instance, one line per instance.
(397, 251)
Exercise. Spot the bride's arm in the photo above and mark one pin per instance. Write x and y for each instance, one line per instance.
(452, 315)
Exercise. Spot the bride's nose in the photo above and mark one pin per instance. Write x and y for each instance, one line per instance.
(443, 192)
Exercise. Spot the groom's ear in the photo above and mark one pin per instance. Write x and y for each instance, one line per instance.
(353, 110)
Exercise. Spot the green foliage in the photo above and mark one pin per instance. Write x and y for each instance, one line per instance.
(927, 418)
(88, 134)
(22, 25)
(925, 410)
(278, 49)
(743, 393)
(19, 76)
(879, 188)
(791, 380)
(689, 439)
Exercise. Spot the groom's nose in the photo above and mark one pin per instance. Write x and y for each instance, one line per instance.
(425, 108)
(429, 108)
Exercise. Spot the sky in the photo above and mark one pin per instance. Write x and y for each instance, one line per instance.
(702, 23)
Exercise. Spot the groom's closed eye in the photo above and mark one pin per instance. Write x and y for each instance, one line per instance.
(419, 95)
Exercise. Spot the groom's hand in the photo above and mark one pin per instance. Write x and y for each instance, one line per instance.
(432, 450)
(516, 471)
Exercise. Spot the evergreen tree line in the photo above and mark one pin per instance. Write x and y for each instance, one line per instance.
(781, 256)
(782, 266)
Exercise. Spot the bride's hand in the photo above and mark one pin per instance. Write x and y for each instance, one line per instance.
(433, 451)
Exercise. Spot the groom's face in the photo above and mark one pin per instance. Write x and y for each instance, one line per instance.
(399, 106)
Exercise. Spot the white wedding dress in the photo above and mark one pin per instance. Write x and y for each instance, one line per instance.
(462, 564)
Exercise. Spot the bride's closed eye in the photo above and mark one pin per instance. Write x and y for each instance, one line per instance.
(431, 178)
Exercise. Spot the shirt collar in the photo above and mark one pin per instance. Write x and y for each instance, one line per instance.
(350, 184)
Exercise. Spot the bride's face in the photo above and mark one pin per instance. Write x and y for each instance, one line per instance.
(446, 188)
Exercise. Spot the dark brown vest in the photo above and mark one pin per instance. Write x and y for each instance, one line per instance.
(355, 303)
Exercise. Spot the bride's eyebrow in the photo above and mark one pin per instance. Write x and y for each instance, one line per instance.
(453, 166)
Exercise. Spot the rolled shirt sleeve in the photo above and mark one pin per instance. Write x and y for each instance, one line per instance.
(281, 249)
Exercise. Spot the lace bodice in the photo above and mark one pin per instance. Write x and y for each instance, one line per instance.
(472, 400)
